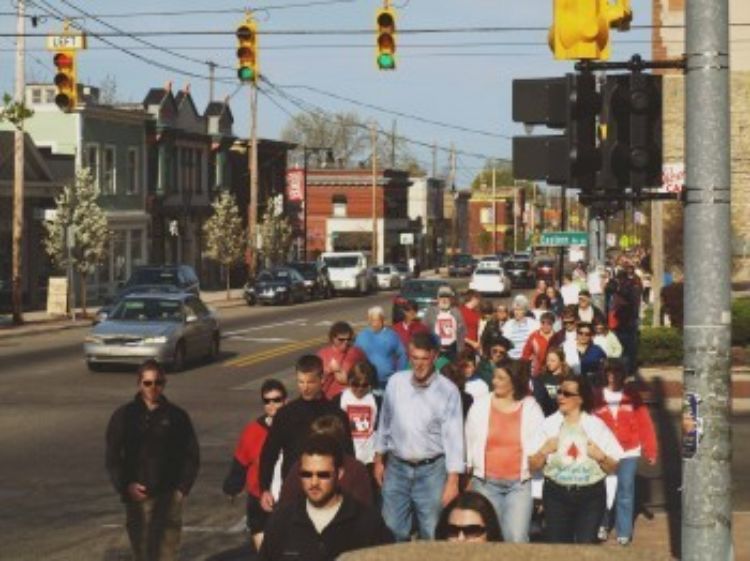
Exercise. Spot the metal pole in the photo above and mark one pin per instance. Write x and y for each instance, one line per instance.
(563, 227)
(252, 219)
(657, 259)
(374, 140)
(515, 218)
(18, 178)
(707, 483)
(494, 208)
(305, 156)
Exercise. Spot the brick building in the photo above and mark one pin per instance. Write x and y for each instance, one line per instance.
(668, 42)
(339, 214)
(486, 235)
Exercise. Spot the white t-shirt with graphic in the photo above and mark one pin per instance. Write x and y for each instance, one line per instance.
(363, 415)
(446, 327)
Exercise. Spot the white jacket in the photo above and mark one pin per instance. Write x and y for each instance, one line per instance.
(477, 429)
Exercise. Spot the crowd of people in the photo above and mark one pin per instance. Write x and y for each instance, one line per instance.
(476, 423)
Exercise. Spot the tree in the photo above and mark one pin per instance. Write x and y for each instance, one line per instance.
(226, 239)
(14, 112)
(80, 221)
(108, 90)
(275, 231)
(484, 239)
(503, 175)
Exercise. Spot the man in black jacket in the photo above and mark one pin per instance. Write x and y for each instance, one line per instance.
(291, 426)
(152, 458)
(325, 523)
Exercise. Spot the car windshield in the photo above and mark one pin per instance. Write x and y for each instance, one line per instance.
(148, 309)
(153, 276)
(340, 262)
(304, 267)
(402, 268)
(277, 275)
(381, 270)
(421, 287)
(519, 264)
(462, 260)
(487, 272)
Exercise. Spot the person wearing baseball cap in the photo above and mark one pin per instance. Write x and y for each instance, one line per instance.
(445, 322)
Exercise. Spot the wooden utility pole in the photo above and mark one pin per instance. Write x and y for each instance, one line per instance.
(452, 183)
(252, 218)
(434, 159)
(211, 79)
(374, 140)
(18, 178)
(494, 207)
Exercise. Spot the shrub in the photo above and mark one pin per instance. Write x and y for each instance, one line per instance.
(660, 345)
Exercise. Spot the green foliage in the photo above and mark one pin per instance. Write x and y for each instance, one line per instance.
(485, 241)
(275, 233)
(741, 322)
(660, 345)
(225, 237)
(503, 175)
(13, 112)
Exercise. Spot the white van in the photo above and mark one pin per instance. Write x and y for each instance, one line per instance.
(348, 271)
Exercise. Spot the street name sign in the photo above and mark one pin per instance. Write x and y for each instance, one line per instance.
(564, 238)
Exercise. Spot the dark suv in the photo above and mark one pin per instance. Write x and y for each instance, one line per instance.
(317, 282)
(461, 265)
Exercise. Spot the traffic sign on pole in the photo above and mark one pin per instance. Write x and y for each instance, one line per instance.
(564, 238)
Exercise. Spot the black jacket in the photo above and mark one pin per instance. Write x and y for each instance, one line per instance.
(156, 448)
(290, 428)
(290, 533)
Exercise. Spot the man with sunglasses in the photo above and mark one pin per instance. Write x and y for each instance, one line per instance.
(152, 457)
(326, 522)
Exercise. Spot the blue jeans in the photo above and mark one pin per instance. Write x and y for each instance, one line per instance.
(625, 497)
(513, 505)
(410, 491)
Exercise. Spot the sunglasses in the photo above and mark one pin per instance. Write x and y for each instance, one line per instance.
(585, 333)
(304, 474)
(268, 400)
(343, 339)
(566, 393)
(360, 384)
(149, 383)
(470, 531)
(497, 351)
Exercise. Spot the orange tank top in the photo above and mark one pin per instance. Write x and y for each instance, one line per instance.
(502, 456)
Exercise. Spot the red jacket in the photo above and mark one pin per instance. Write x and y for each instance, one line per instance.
(347, 359)
(632, 426)
(535, 350)
(406, 331)
(248, 452)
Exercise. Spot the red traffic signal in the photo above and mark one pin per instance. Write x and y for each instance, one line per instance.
(65, 81)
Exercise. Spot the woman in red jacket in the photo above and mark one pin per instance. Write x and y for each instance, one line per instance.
(245, 468)
(338, 358)
(621, 408)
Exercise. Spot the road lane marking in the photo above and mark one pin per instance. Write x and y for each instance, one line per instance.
(254, 358)
(266, 326)
(260, 339)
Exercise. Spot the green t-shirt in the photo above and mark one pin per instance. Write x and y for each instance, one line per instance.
(571, 464)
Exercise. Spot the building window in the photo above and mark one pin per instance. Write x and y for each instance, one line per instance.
(36, 96)
(49, 95)
(133, 171)
(186, 168)
(119, 271)
(108, 169)
(339, 206)
(136, 248)
(198, 171)
(174, 179)
(91, 161)
(485, 216)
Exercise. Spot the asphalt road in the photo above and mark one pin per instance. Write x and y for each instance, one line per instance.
(56, 502)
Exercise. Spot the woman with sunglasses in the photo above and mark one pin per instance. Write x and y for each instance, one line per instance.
(469, 517)
(500, 430)
(576, 450)
(620, 406)
(244, 472)
(585, 357)
(338, 358)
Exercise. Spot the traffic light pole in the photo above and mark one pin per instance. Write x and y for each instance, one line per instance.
(707, 446)
(252, 219)
(18, 175)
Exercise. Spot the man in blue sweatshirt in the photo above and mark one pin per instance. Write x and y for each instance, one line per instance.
(382, 346)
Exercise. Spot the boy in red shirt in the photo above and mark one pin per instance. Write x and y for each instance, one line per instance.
(472, 316)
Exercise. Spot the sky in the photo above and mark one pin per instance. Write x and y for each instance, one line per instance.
(462, 79)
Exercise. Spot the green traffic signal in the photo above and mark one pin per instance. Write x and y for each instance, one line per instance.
(246, 74)
(386, 61)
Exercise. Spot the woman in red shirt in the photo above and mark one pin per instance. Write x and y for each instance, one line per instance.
(338, 358)
(246, 462)
(620, 406)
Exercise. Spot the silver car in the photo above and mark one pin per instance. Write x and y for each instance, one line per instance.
(170, 328)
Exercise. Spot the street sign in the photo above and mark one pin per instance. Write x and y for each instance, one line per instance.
(71, 42)
(407, 238)
(564, 238)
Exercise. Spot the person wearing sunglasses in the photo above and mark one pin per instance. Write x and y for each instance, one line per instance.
(245, 467)
(575, 450)
(469, 517)
(585, 357)
(607, 340)
(495, 351)
(152, 457)
(500, 429)
(568, 332)
(326, 521)
(338, 358)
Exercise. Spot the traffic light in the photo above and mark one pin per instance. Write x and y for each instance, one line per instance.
(580, 28)
(386, 25)
(65, 80)
(247, 51)
(570, 103)
(631, 132)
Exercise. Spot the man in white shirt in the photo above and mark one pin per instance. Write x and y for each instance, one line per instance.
(569, 291)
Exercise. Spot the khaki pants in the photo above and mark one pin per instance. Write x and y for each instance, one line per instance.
(154, 527)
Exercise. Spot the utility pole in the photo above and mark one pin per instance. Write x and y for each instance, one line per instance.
(515, 218)
(707, 445)
(434, 159)
(657, 258)
(374, 140)
(18, 176)
(563, 228)
(393, 145)
(252, 219)
(452, 182)
(211, 79)
(494, 207)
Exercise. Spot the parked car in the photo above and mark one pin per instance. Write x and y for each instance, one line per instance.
(545, 269)
(421, 291)
(280, 285)
(520, 273)
(315, 275)
(182, 277)
(490, 280)
(461, 265)
(387, 276)
(110, 304)
(491, 261)
(170, 328)
(348, 271)
(404, 273)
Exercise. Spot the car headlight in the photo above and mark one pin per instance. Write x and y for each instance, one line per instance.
(158, 340)
(93, 339)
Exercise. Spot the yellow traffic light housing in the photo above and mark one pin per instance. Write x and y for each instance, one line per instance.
(386, 46)
(247, 51)
(580, 28)
(65, 80)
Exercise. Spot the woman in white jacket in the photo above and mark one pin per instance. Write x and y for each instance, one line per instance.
(500, 429)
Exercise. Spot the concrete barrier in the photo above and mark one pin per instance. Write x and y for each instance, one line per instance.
(443, 551)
